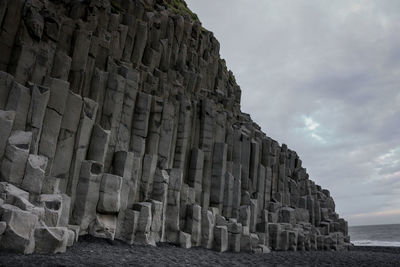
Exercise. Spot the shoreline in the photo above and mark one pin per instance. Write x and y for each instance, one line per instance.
(91, 251)
(386, 249)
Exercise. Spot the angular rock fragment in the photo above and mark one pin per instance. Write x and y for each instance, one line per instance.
(71, 238)
(185, 240)
(129, 226)
(75, 229)
(51, 239)
(103, 226)
(19, 233)
(7, 189)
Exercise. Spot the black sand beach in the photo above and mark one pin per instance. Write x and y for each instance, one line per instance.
(91, 251)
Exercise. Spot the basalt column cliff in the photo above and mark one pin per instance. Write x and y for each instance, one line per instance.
(120, 120)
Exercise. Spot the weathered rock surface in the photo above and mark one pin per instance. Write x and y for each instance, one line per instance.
(120, 120)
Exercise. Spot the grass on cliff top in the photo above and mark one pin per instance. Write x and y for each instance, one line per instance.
(181, 7)
(116, 7)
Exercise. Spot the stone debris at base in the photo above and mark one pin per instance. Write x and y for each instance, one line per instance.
(120, 120)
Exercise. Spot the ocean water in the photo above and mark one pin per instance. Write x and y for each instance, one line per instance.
(375, 235)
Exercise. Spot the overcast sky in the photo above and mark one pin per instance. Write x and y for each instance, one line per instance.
(323, 77)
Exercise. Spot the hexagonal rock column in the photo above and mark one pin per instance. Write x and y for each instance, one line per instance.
(143, 234)
(19, 99)
(15, 157)
(173, 205)
(53, 117)
(6, 125)
(110, 194)
(87, 194)
(160, 193)
(87, 119)
(193, 224)
(221, 238)
(34, 174)
(195, 174)
(207, 229)
(66, 140)
(37, 110)
(218, 175)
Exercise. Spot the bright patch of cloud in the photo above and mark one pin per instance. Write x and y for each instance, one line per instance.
(316, 136)
(311, 127)
(310, 123)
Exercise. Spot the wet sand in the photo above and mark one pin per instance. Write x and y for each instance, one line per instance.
(91, 251)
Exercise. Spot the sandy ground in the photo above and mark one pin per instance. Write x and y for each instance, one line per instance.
(90, 251)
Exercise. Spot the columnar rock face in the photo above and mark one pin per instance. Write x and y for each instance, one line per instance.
(119, 119)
